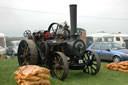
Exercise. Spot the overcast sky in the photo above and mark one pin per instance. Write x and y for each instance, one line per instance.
(16, 16)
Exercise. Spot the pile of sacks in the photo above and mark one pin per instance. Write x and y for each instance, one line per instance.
(3, 57)
(122, 66)
(32, 75)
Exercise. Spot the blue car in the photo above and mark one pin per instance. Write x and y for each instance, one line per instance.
(110, 51)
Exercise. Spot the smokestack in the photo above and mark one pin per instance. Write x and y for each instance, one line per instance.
(73, 18)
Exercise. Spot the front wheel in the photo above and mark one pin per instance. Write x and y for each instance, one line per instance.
(59, 66)
(116, 59)
(92, 62)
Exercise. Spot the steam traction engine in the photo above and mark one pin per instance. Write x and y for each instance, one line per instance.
(59, 48)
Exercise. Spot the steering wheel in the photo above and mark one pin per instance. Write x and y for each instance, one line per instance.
(53, 28)
(27, 33)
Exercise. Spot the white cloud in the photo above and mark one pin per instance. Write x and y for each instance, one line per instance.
(103, 15)
(114, 8)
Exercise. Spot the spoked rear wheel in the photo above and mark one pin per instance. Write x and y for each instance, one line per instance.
(59, 66)
(27, 53)
(92, 62)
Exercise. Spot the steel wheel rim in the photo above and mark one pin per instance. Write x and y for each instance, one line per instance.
(58, 66)
(92, 63)
(116, 59)
(27, 33)
(44, 49)
(24, 53)
(53, 28)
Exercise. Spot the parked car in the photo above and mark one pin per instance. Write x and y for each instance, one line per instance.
(12, 48)
(2, 44)
(110, 51)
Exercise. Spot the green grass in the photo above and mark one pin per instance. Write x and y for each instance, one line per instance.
(104, 77)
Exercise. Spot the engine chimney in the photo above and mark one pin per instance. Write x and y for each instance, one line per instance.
(73, 19)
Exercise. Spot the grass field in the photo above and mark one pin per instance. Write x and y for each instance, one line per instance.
(104, 77)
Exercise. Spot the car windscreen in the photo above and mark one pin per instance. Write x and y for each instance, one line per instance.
(96, 46)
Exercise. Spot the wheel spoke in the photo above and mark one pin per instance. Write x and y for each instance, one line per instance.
(93, 57)
(25, 62)
(55, 61)
(88, 69)
(59, 61)
(94, 64)
(93, 68)
(27, 49)
(56, 28)
(60, 71)
(52, 29)
(88, 57)
(58, 66)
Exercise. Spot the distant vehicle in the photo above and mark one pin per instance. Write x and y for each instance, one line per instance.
(110, 51)
(2, 44)
(12, 48)
(120, 38)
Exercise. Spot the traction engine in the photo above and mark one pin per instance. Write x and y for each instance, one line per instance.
(59, 48)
